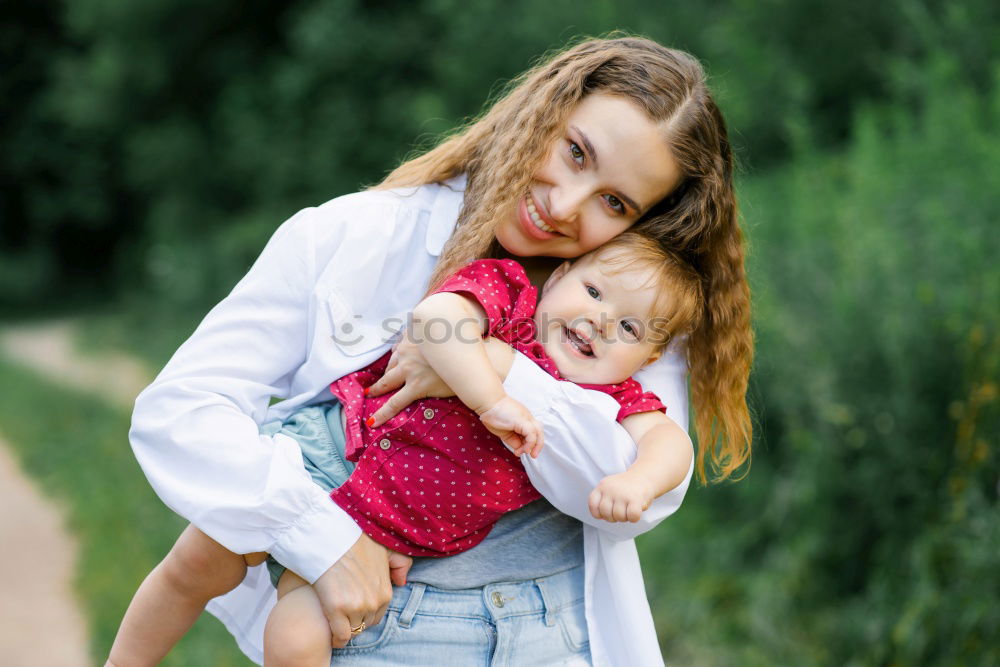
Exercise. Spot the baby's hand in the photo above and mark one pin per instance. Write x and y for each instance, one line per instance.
(621, 497)
(514, 424)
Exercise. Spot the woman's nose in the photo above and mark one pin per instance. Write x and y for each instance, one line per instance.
(566, 200)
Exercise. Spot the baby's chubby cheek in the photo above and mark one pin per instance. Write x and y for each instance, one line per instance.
(551, 349)
(551, 344)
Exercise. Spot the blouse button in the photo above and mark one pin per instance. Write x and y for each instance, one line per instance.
(428, 414)
(385, 443)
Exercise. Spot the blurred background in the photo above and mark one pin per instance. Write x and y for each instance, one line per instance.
(150, 149)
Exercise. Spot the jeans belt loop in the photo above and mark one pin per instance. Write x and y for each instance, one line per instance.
(412, 604)
(546, 593)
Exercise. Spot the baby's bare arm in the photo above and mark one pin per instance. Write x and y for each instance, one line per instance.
(448, 328)
(414, 378)
(663, 460)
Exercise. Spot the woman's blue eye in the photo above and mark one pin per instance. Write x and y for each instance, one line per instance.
(575, 152)
(615, 203)
(592, 291)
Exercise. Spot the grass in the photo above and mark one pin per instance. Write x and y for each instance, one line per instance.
(76, 448)
(138, 330)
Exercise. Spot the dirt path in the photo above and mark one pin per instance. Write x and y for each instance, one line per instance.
(49, 350)
(40, 619)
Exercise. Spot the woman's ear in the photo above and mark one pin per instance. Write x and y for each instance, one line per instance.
(556, 276)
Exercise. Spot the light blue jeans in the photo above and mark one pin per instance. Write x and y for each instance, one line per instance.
(538, 622)
(522, 623)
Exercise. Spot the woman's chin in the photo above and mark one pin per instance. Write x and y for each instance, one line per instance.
(517, 245)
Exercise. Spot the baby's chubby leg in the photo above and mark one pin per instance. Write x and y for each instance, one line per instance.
(297, 632)
(174, 594)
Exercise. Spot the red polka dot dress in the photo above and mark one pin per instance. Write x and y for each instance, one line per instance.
(433, 480)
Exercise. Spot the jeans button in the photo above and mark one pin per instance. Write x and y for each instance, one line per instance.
(497, 598)
(384, 443)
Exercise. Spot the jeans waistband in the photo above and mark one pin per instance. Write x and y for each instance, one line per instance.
(493, 602)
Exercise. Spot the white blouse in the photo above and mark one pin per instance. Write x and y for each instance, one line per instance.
(327, 296)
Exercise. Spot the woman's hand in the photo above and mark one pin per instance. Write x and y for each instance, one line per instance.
(409, 372)
(357, 587)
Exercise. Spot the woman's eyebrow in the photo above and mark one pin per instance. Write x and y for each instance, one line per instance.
(589, 147)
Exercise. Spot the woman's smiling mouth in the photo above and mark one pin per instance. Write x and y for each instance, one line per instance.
(533, 221)
(536, 218)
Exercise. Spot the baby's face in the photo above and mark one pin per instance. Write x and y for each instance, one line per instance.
(596, 324)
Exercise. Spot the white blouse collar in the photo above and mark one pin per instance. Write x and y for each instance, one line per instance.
(444, 213)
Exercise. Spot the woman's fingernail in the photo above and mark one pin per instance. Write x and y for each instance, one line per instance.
(370, 421)
(366, 390)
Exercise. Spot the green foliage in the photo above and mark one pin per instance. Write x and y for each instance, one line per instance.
(76, 448)
(868, 529)
(153, 147)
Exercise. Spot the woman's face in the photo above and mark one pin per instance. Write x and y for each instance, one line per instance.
(608, 168)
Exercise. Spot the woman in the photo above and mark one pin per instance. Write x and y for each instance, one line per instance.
(607, 135)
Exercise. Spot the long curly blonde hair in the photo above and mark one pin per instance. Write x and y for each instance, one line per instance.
(502, 149)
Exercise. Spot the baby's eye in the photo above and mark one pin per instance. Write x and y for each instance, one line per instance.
(592, 291)
(575, 152)
(630, 329)
(615, 203)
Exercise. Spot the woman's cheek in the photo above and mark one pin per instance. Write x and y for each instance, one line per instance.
(591, 238)
(606, 229)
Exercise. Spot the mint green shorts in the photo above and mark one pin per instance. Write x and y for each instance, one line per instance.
(320, 435)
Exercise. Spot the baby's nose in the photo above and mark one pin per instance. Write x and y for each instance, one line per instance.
(586, 327)
(607, 325)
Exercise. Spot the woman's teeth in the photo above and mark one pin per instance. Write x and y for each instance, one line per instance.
(537, 219)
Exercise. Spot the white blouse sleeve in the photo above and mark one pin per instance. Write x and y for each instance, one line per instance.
(584, 443)
(195, 429)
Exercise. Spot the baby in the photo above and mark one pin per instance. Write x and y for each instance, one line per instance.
(432, 480)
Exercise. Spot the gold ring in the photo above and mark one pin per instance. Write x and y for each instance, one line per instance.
(358, 630)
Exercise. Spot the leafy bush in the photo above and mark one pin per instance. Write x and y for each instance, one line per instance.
(153, 147)
(868, 529)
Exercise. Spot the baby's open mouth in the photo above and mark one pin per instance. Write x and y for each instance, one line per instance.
(579, 343)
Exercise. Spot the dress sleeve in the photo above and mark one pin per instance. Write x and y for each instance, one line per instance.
(634, 400)
(584, 443)
(500, 286)
(195, 428)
